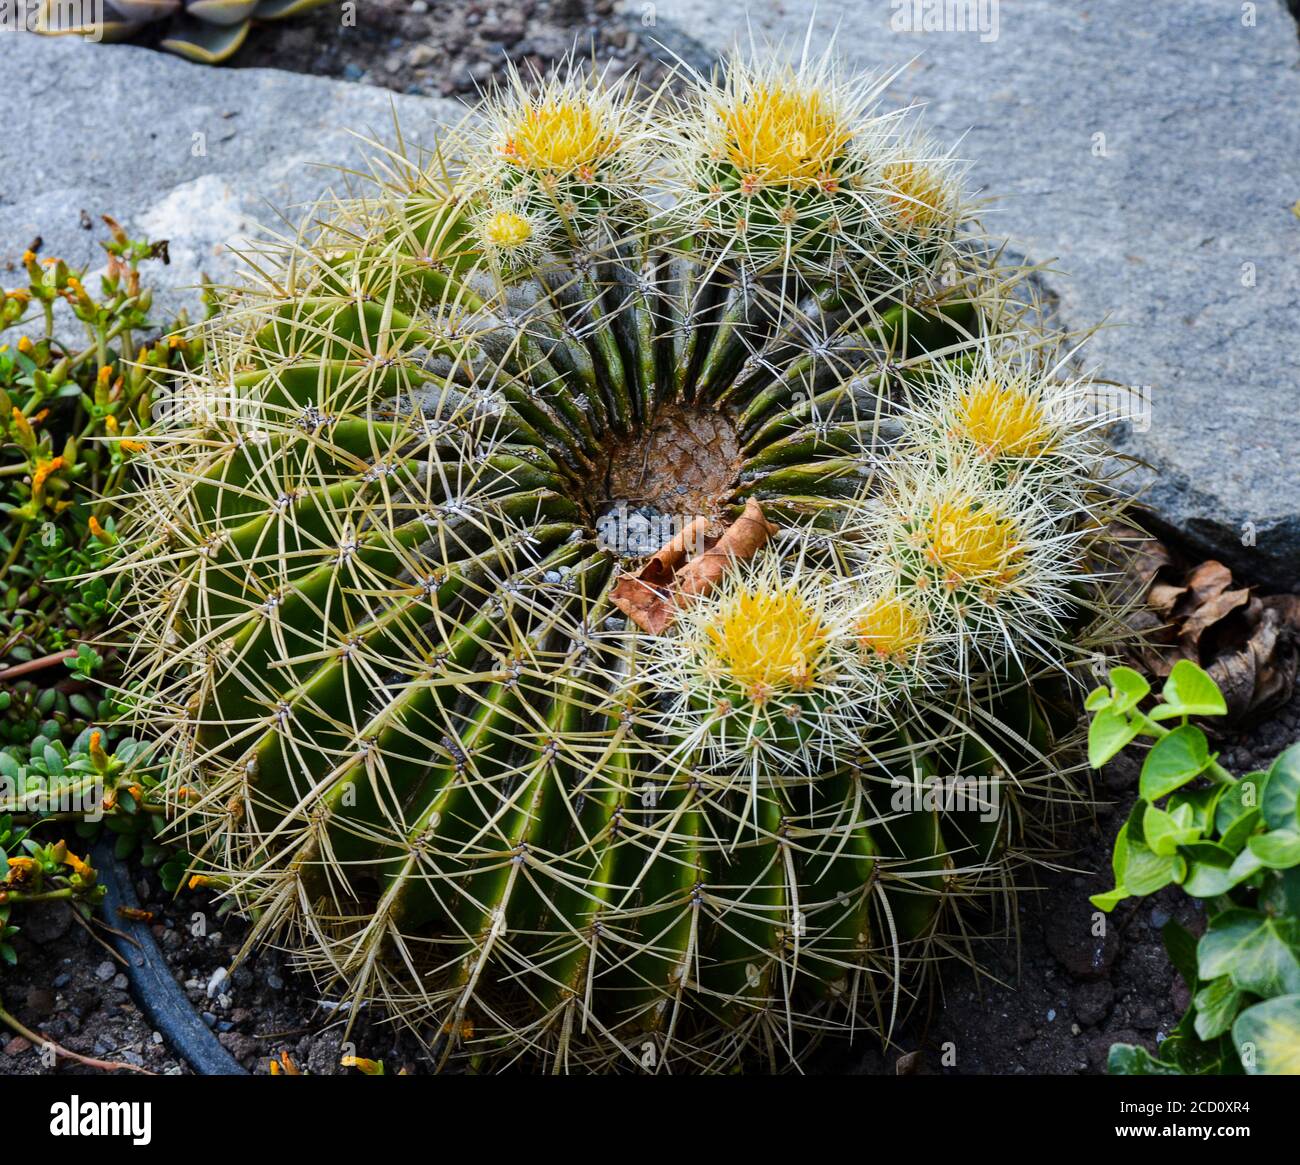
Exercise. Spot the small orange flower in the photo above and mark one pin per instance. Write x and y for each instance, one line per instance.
(82, 869)
(98, 757)
(23, 427)
(20, 869)
(44, 468)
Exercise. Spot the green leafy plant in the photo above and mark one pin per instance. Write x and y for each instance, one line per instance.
(1233, 842)
(36, 872)
(91, 785)
(71, 408)
(470, 751)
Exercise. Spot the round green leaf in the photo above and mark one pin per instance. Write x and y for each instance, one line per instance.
(1278, 850)
(1189, 691)
(1268, 1037)
(1260, 953)
(1217, 1004)
(1209, 870)
(1173, 761)
(1282, 792)
(1107, 734)
(1130, 688)
(1130, 1060)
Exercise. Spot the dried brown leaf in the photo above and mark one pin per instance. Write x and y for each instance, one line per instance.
(652, 596)
(743, 539)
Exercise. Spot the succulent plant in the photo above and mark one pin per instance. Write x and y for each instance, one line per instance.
(206, 31)
(463, 751)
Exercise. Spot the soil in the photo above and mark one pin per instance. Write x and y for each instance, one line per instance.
(447, 47)
(73, 989)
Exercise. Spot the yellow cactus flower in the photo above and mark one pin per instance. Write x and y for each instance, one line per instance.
(917, 194)
(768, 639)
(564, 137)
(506, 230)
(891, 627)
(782, 133)
(1003, 420)
(970, 542)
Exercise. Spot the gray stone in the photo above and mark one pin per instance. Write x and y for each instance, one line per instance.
(47, 923)
(326, 1050)
(195, 155)
(1201, 117)
(1179, 234)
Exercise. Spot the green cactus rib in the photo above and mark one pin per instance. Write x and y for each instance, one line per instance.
(411, 718)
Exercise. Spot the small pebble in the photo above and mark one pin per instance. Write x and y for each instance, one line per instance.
(209, 1019)
(218, 978)
(105, 971)
(60, 981)
(120, 982)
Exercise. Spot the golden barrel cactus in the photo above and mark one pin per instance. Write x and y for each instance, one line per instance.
(562, 600)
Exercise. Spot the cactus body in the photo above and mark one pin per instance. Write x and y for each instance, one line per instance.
(416, 736)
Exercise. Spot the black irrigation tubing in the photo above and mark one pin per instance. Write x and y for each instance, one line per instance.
(155, 988)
